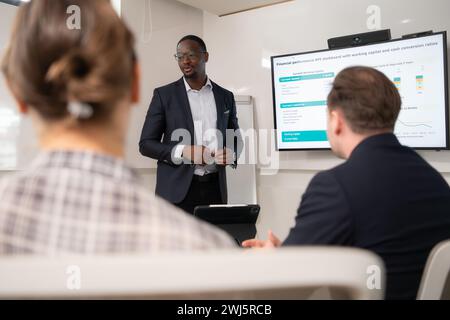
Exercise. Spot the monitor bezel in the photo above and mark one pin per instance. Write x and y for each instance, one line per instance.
(444, 39)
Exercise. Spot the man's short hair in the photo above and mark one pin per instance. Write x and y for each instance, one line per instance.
(196, 39)
(369, 100)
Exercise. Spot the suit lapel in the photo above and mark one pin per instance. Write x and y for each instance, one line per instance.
(185, 105)
(220, 107)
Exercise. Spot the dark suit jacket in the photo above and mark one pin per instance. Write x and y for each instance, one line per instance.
(169, 111)
(386, 199)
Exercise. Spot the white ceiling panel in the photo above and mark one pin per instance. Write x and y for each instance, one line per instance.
(226, 7)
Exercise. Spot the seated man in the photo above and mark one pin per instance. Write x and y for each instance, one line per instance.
(384, 198)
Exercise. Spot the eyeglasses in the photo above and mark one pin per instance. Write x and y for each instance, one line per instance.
(190, 56)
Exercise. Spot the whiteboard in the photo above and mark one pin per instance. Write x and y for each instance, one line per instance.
(242, 180)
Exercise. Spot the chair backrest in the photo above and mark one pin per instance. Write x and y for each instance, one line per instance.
(435, 283)
(287, 273)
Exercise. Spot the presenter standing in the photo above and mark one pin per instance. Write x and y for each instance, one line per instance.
(191, 171)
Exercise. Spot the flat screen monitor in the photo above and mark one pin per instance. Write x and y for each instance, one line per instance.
(417, 66)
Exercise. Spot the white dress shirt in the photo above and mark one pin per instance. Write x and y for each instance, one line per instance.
(204, 115)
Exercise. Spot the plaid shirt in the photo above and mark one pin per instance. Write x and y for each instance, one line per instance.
(86, 203)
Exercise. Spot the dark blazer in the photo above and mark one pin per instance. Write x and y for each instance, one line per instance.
(169, 111)
(386, 199)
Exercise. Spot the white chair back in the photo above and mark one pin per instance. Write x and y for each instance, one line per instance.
(435, 283)
(286, 273)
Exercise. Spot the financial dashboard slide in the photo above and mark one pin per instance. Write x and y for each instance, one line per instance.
(302, 82)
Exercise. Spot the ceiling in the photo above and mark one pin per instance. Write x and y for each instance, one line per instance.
(226, 7)
(218, 7)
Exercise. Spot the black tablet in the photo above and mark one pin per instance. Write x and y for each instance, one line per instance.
(239, 221)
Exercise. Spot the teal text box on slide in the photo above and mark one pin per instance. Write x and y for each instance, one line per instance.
(304, 136)
(303, 104)
(308, 77)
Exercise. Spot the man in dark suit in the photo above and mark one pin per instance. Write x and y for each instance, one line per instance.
(191, 128)
(384, 198)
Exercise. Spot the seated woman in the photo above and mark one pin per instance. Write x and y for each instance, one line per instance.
(78, 196)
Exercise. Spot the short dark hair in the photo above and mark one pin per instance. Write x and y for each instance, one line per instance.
(196, 39)
(368, 99)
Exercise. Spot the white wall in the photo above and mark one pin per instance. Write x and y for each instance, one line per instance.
(240, 47)
(13, 150)
(157, 28)
(158, 25)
